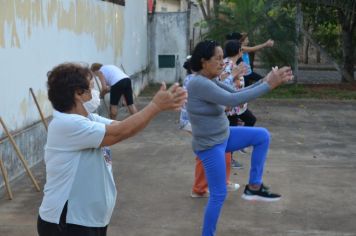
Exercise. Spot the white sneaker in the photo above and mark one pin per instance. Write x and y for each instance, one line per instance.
(243, 151)
(231, 187)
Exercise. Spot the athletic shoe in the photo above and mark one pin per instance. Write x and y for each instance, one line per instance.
(263, 194)
(244, 151)
(236, 164)
(199, 195)
(232, 187)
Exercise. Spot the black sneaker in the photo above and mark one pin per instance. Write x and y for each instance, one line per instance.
(263, 194)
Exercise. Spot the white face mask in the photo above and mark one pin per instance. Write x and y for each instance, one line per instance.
(94, 103)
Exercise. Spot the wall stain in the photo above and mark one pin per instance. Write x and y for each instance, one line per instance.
(42, 100)
(24, 107)
(104, 23)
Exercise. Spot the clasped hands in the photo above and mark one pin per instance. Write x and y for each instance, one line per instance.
(278, 76)
(170, 99)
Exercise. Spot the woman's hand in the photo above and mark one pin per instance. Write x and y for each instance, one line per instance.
(104, 91)
(239, 70)
(224, 75)
(279, 76)
(269, 43)
(171, 99)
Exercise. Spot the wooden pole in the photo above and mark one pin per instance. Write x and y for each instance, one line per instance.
(123, 68)
(39, 110)
(298, 24)
(23, 160)
(6, 180)
(327, 55)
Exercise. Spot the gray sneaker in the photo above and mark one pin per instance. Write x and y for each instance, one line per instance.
(236, 164)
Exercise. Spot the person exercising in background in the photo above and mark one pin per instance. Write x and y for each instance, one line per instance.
(251, 76)
(116, 82)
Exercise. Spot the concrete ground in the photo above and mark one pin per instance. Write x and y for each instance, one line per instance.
(312, 163)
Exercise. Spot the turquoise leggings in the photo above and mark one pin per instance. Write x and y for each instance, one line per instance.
(215, 167)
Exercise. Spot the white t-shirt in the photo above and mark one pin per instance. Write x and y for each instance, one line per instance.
(112, 74)
(77, 172)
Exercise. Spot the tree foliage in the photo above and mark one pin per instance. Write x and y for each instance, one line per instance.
(261, 21)
(332, 24)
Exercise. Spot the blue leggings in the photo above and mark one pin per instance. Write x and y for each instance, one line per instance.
(215, 167)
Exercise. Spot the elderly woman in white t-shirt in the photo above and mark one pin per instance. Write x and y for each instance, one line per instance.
(80, 194)
(116, 82)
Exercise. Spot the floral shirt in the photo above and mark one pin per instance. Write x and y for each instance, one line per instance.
(235, 84)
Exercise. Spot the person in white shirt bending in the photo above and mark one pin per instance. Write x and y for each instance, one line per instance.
(116, 82)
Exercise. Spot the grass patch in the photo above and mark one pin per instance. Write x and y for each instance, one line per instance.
(314, 91)
(293, 91)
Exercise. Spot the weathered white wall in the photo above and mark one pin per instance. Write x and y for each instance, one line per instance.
(36, 35)
(169, 5)
(168, 36)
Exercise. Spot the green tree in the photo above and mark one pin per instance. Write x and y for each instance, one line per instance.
(329, 25)
(209, 11)
(334, 23)
(261, 21)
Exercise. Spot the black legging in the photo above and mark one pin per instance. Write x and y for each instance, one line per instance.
(45, 228)
(247, 117)
(252, 78)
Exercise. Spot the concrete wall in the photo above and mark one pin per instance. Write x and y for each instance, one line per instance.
(168, 36)
(168, 5)
(196, 16)
(39, 34)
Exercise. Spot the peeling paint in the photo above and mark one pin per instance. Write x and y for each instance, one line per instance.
(105, 23)
(31, 145)
(43, 102)
(35, 35)
(24, 107)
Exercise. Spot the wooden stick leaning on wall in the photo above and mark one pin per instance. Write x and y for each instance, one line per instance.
(39, 110)
(19, 154)
(97, 84)
(6, 180)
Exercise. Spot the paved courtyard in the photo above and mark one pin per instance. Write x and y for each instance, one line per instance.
(312, 163)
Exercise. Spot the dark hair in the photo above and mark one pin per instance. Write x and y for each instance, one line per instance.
(236, 36)
(187, 66)
(233, 36)
(95, 66)
(63, 81)
(232, 48)
(204, 50)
